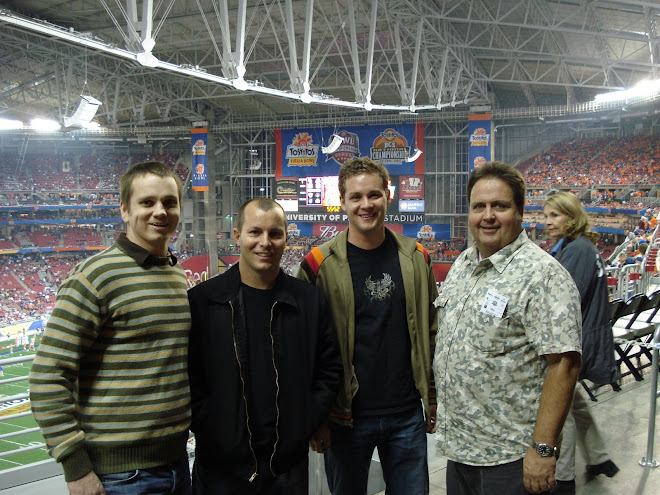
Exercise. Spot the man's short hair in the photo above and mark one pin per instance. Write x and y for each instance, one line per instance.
(507, 174)
(358, 166)
(140, 169)
(264, 204)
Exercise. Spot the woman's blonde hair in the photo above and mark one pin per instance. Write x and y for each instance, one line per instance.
(578, 222)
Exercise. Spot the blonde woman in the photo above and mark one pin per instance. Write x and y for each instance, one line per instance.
(568, 226)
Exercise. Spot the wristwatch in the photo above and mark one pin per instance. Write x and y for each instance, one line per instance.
(544, 450)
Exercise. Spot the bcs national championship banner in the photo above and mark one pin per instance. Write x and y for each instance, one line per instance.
(200, 175)
(299, 151)
(481, 147)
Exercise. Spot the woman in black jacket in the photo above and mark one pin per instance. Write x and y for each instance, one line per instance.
(568, 225)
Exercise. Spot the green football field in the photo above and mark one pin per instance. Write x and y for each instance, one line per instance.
(18, 424)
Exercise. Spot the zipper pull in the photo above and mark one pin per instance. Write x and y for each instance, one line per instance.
(253, 477)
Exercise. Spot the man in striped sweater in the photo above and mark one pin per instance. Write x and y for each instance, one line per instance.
(109, 384)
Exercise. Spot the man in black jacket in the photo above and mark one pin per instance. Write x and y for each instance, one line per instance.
(264, 366)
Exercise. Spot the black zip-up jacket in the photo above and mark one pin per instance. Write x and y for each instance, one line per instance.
(308, 368)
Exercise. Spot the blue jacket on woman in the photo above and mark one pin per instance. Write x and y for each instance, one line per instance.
(585, 265)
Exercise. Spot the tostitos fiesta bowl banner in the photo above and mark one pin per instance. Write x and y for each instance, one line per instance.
(299, 152)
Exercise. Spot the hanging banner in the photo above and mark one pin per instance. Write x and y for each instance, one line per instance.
(428, 231)
(200, 176)
(480, 130)
(300, 150)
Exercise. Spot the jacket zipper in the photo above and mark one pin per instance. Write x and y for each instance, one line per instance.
(277, 390)
(247, 414)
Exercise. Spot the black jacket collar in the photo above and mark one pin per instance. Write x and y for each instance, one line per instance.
(225, 287)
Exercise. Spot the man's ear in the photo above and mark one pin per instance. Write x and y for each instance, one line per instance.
(124, 211)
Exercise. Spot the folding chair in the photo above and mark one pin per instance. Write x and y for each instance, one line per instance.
(626, 326)
(648, 320)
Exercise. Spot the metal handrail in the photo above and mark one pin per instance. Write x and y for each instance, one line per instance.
(648, 460)
(624, 281)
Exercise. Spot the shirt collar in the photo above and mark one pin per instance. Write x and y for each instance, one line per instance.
(501, 258)
(557, 247)
(142, 256)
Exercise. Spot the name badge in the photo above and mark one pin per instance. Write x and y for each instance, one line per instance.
(494, 304)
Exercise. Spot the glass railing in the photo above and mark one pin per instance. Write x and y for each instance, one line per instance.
(23, 456)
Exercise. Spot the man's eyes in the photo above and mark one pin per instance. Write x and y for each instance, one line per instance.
(496, 207)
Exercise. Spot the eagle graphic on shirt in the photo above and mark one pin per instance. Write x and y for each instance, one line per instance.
(379, 290)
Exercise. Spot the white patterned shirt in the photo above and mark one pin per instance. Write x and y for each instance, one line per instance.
(489, 364)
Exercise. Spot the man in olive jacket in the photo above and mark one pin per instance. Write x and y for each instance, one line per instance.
(381, 288)
(264, 366)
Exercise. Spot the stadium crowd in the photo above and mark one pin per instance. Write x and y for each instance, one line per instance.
(629, 167)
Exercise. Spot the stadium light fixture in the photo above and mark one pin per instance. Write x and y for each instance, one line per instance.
(415, 155)
(333, 146)
(87, 108)
(45, 125)
(7, 124)
(643, 89)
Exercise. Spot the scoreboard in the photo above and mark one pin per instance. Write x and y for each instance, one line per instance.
(320, 194)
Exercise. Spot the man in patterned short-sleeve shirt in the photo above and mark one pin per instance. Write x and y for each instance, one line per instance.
(508, 349)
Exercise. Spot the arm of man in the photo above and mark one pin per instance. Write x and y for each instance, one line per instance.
(70, 332)
(433, 330)
(90, 484)
(555, 402)
(196, 361)
(328, 374)
(321, 439)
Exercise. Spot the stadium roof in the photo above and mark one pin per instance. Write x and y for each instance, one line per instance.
(172, 62)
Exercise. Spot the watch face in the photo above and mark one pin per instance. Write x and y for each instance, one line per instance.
(544, 450)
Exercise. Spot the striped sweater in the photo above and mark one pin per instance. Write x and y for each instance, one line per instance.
(109, 384)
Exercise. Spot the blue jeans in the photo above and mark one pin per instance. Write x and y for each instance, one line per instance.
(504, 479)
(401, 443)
(209, 481)
(173, 479)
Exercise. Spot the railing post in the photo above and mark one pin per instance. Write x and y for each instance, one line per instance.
(648, 460)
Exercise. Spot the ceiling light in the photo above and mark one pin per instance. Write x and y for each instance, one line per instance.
(644, 89)
(415, 155)
(45, 125)
(368, 106)
(6, 124)
(333, 146)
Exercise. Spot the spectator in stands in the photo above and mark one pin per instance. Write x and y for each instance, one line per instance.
(624, 259)
(653, 222)
(508, 349)
(568, 226)
(381, 289)
(109, 383)
(264, 366)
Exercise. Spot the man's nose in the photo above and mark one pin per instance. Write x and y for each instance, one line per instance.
(159, 209)
(489, 212)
